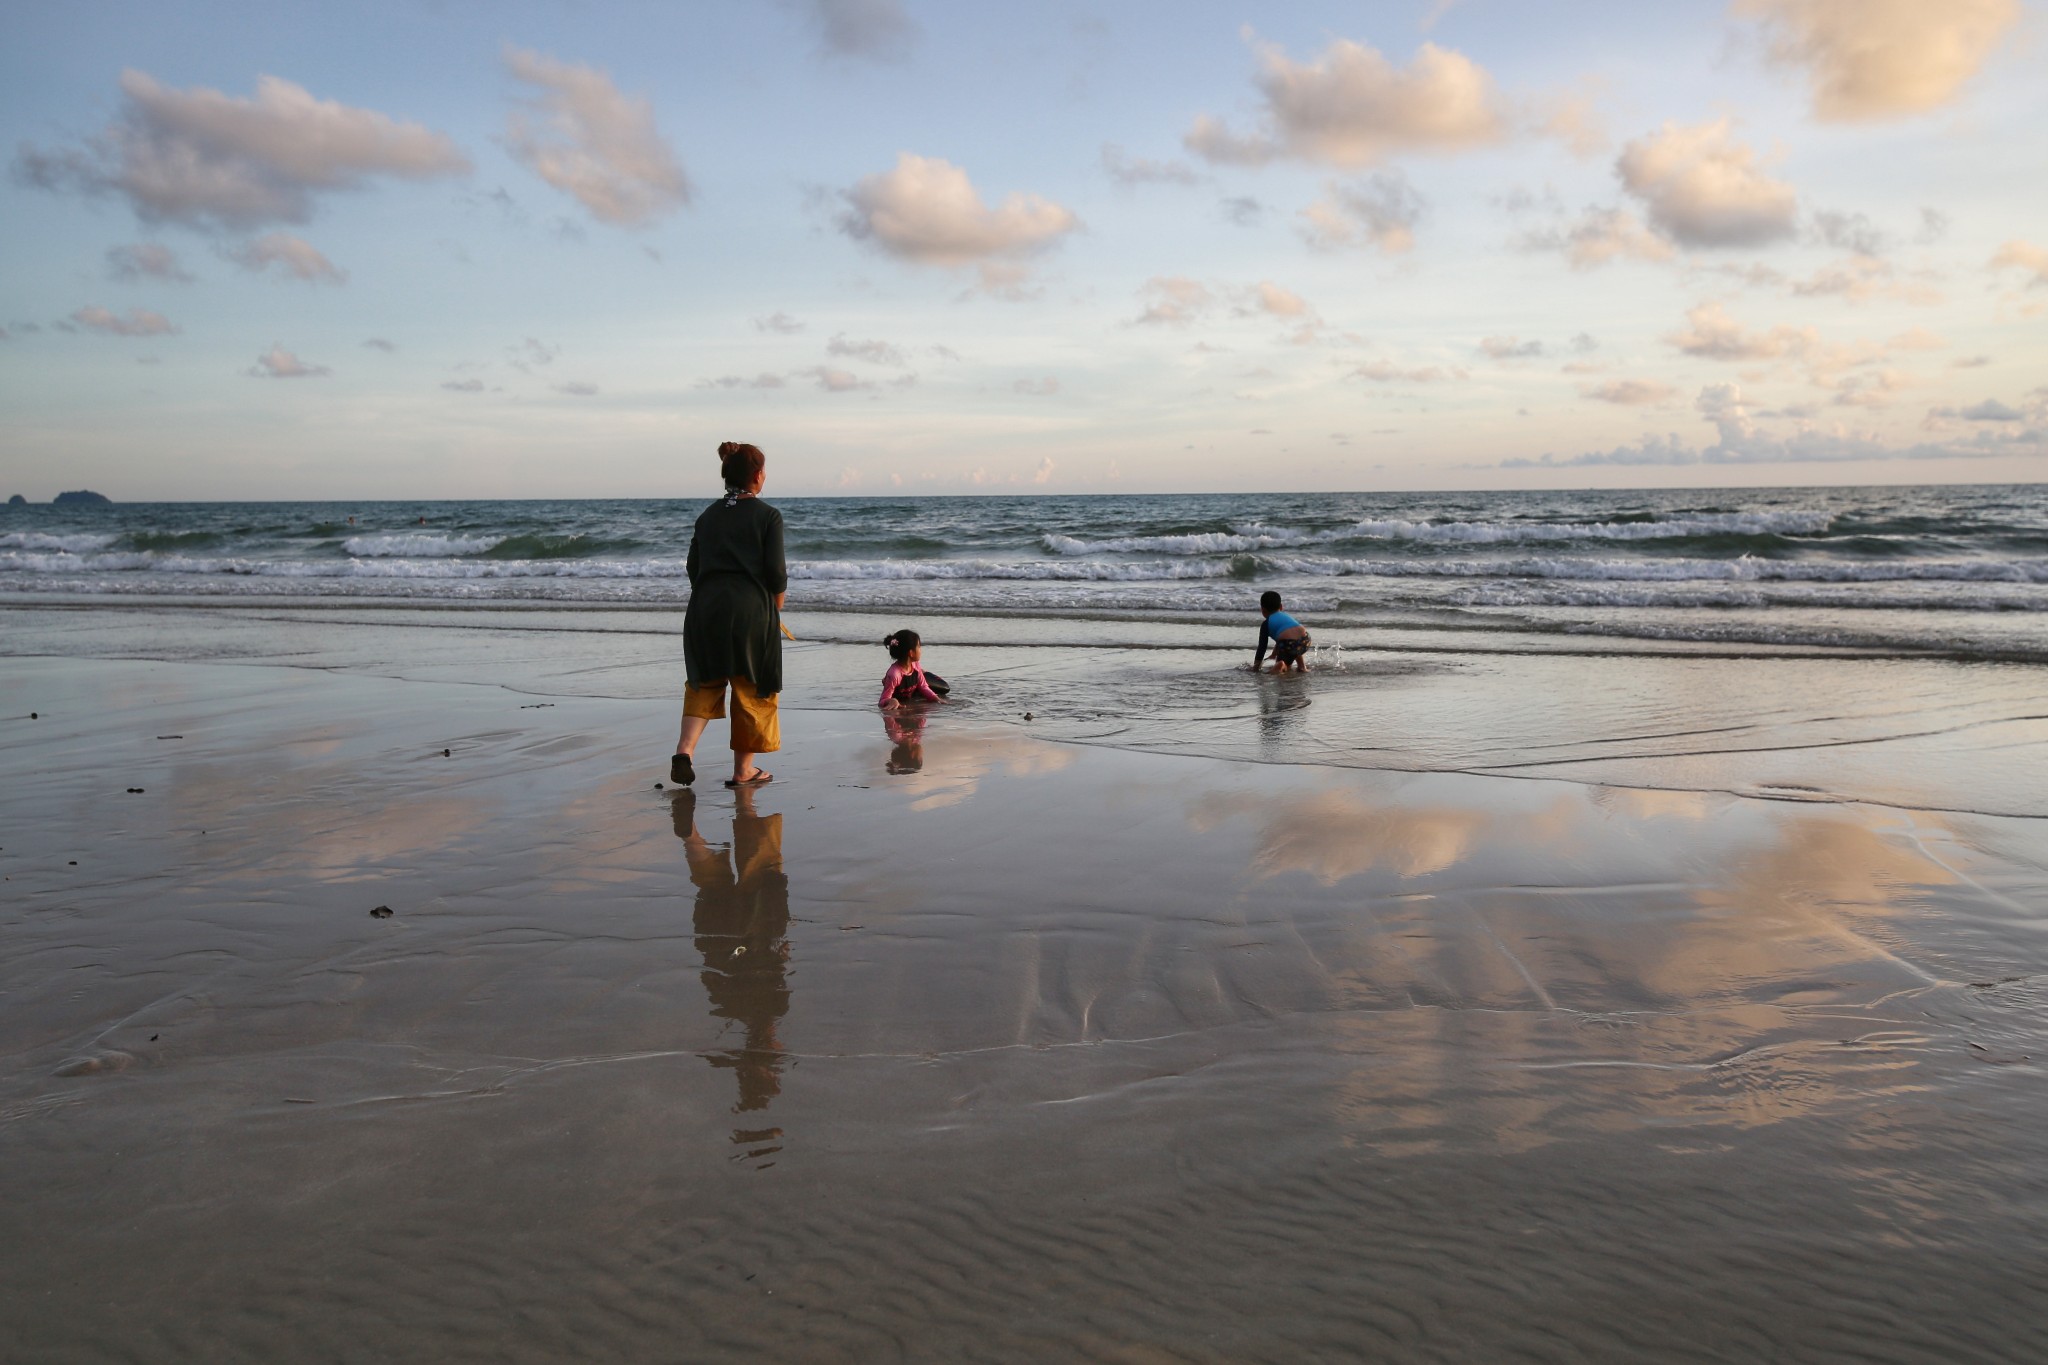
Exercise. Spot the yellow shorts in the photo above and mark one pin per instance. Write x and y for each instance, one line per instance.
(756, 728)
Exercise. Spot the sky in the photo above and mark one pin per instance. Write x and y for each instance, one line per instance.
(458, 249)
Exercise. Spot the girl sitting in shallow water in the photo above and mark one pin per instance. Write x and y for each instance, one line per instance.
(906, 681)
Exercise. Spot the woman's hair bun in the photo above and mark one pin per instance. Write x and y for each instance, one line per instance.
(726, 448)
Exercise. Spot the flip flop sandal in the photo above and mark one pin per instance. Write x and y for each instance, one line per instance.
(681, 771)
(758, 779)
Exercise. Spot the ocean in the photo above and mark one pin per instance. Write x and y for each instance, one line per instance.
(1960, 572)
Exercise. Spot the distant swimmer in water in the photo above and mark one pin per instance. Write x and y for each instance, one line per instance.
(906, 681)
(1288, 637)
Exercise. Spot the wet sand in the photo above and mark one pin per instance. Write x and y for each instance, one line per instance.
(957, 1044)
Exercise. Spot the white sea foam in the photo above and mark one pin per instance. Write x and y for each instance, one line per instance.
(1008, 570)
(418, 545)
(1253, 536)
(39, 540)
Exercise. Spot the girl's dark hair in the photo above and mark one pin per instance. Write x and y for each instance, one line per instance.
(1269, 602)
(900, 644)
(740, 464)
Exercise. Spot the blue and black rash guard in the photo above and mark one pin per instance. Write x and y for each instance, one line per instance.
(1269, 631)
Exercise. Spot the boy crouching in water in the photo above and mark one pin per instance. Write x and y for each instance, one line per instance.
(1288, 637)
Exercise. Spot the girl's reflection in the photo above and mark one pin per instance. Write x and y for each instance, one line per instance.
(905, 728)
(741, 923)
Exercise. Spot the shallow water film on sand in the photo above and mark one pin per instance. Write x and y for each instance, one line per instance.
(1498, 990)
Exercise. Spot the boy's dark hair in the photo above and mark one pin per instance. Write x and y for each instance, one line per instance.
(900, 644)
(1269, 602)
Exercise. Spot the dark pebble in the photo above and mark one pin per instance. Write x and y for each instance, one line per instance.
(657, 786)
(136, 791)
(33, 716)
(446, 753)
(74, 862)
(381, 912)
(153, 1037)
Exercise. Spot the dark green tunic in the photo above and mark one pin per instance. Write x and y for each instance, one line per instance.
(732, 628)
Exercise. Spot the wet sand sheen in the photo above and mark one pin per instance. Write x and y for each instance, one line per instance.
(953, 1044)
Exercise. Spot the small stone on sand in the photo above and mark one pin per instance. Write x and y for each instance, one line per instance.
(381, 912)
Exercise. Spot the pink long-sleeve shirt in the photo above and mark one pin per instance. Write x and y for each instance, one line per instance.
(895, 678)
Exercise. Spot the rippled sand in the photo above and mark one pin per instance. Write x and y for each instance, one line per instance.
(955, 1044)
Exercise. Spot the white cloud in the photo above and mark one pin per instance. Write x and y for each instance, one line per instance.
(2024, 257)
(1037, 388)
(381, 344)
(278, 363)
(1351, 107)
(1990, 410)
(577, 389)
(1704, 188)
(1043, 474)
(738, 381)
(1173, 301)
(1630, 393)
(1850, 232)
(1598, 237)
(1383, 372)
(532, 351)
(463, 385)
(836, 381)
(140, 322)
(1268, 297)
(208, 159)
(925, 210)
(1379, 212)
(294, 256)
(874, 352)
(593, 142)
(1510, 348)
(1860, 278)
(1712, 335)
(1874, 59)
(780, 323)
(876, 30)
(1572, 120)
(145, 261)
(1130, 171)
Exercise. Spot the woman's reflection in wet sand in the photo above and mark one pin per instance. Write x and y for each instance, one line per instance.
(742, 923)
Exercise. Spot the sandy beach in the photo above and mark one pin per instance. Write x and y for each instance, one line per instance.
(956, 1042)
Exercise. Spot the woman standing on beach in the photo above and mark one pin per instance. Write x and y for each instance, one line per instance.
(732, 630)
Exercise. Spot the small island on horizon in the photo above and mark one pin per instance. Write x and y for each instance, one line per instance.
(78, 497)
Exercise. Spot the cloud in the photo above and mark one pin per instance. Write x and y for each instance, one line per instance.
(1703, 188)
(278, 363)
(1383, 372)
(140, 322)
(1584, 343)
(738, 381)
(1130, 171)
(1242, 209)
(1990, 410)
(1572, 120)
(1379, 212)
(577, 389)
(1860, 278)
(1037, 388)
(207, 159)
(380, 344)
(1850, 232)
(2025, 257)
(593, 143)
(873, 30)
(1351, 107)
(1510, 348)
(780, 323)
(1172, 301)
(1630, 393)
(1876, 59)
(1043, 474)
(928, 212)
(1712, 335)
(464, 385)
(874, 352)
(145, 261)
(1268, 297)
(531, 352)
(836, 381)
(294, 256)
(1598, 237)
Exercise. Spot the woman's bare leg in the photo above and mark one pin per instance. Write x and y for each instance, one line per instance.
(742, 764)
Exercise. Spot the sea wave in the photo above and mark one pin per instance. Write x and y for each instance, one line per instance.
(1252, 536)
(42, 540)
(418, 545)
